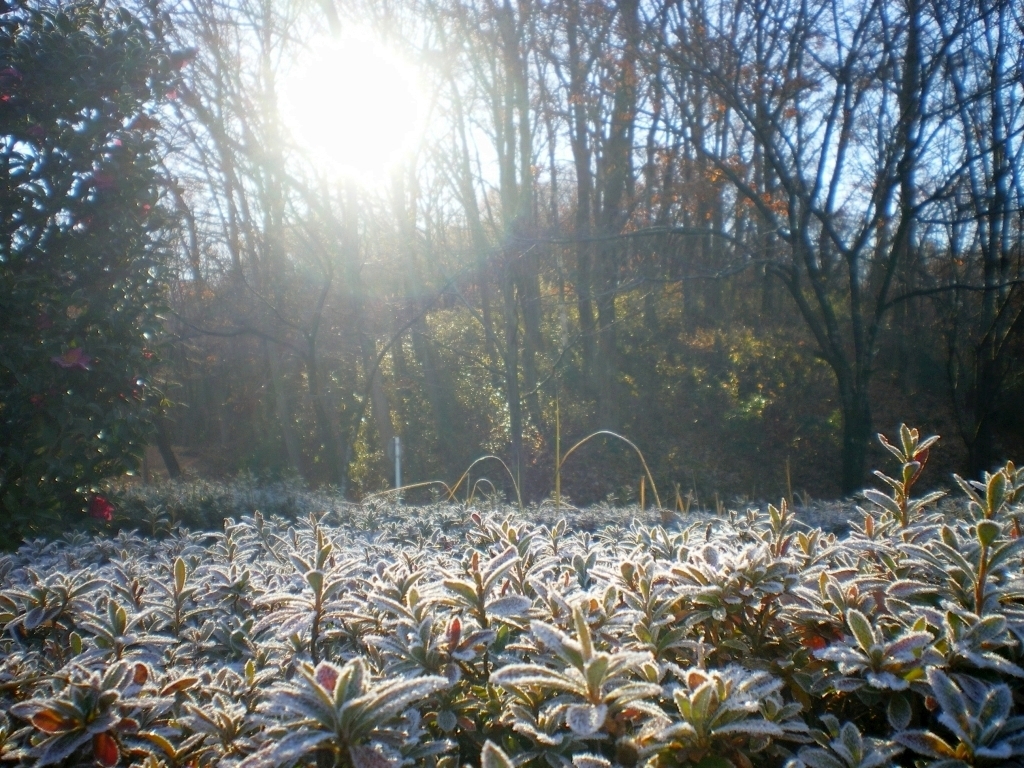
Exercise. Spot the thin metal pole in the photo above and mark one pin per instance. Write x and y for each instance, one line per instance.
(398, 462)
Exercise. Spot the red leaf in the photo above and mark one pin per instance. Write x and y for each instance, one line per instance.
(101, 509)
(104, 749)
(49, 721)
(326, 676)
(454, 633)
(181, 684)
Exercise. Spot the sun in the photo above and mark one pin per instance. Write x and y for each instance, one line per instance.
(353, 105)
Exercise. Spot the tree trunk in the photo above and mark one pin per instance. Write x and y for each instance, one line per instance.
(512, 392)
(528, 288)
(856, 408)
(980, 445)
(582, 157)
(334, 450)
(440, 396)
(616, 174)
(163, 444)
(282, 408)
(467, 193)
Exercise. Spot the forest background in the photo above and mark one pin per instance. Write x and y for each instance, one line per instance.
(746, 235)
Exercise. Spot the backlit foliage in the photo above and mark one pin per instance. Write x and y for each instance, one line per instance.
(83, 255)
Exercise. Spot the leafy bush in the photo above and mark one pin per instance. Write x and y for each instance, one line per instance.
(369, 637)
(80, 256)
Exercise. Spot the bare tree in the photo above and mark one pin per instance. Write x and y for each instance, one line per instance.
(977, 265)
(823, 102)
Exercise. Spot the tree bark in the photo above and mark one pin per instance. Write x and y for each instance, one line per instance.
(282, 408)
(163, 444)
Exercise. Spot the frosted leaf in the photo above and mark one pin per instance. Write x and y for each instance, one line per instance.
(585, 719)
(887, 680)
(510, 606)
(492, 756)
(549, 636)
(367, 757)
(446, 720)
(494, 568)
(751, 728)
(286, 751)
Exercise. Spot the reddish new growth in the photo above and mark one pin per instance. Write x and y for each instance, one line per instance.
(105, 749)
(73, 358)
(101, 509)
(102, 181)
(454, 634)
(326, 676)
(10, 81)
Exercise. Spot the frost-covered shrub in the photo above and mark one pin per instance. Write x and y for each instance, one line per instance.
(363, 636)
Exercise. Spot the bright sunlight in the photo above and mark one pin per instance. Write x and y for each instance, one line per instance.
(354, 106)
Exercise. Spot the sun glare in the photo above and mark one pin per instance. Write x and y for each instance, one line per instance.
(353, 105)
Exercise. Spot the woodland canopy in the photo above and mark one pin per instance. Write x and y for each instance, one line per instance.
(746, 235)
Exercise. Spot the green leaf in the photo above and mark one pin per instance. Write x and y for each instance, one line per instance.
(995, 493)
(315, 579)
(509, 606)
(34, 618)
(988, 531)
(534, 675)
(492, 756)
(819, 758)
(583, 632)
(861, 628)
(965, 486)
(947, 694)
(558, 642)
(462, 589)
(908, 437)
(497, 566)
(882, 500)
(392, 698)
(286, 751)
(701, 703)
(751, 727)
(898, 712)
(852, 742)
(179, 574)
(884, 441)
(595, 671)
(57, 748)
(120, 620)
(925, 743)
